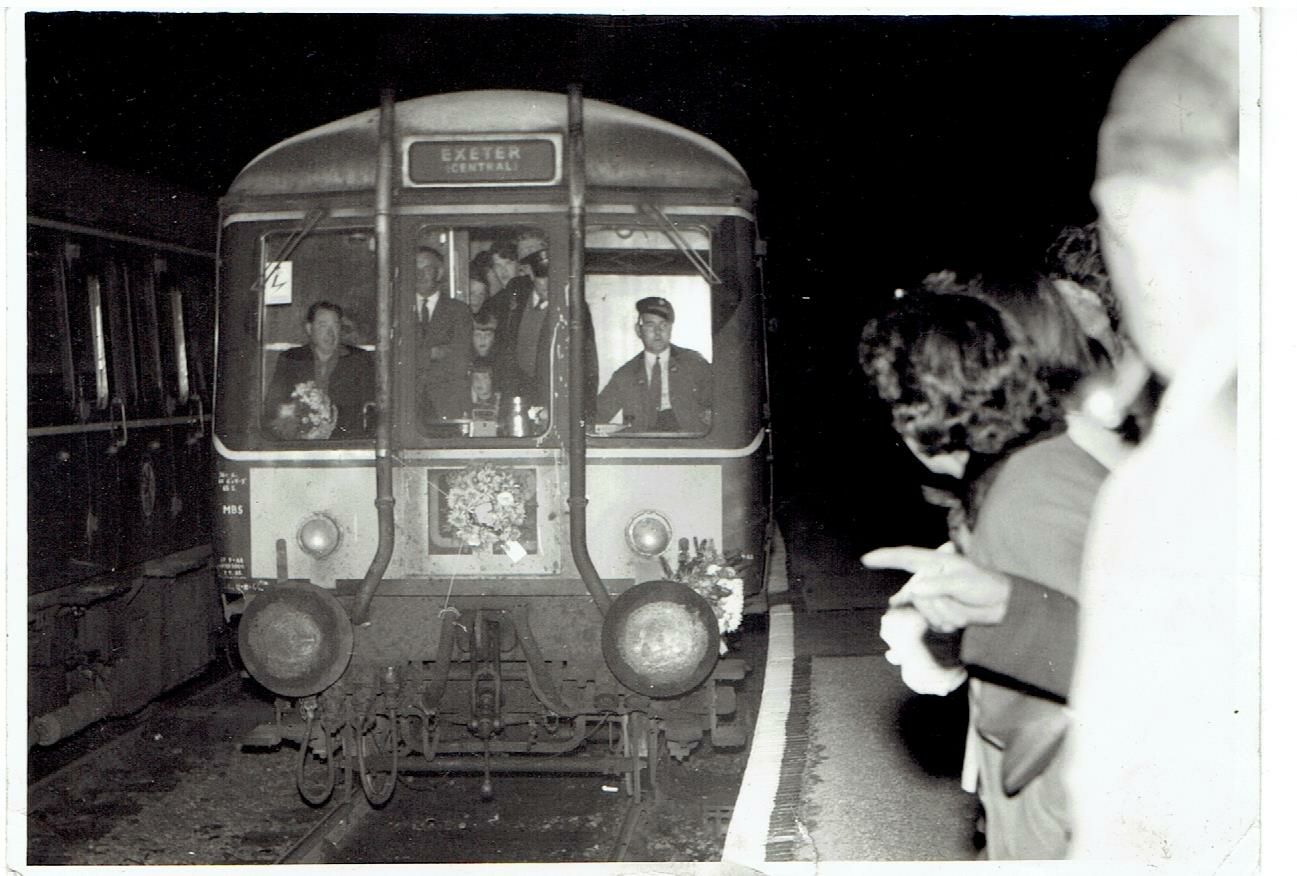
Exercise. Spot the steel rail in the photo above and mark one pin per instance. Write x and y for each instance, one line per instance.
(326, 834)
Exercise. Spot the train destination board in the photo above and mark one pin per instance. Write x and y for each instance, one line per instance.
(462, 162)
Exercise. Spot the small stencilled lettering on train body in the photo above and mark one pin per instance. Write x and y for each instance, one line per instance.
(233, 566)
(230, 481)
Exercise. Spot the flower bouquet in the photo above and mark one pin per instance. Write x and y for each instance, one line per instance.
(309, 414)
(486, 507)
(712, 577)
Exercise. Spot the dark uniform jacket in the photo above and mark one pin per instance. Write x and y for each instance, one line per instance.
(351, 385)
(443, 385)
(689, 384)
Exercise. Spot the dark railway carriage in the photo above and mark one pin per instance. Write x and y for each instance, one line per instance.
(122, 601)
(463, 579)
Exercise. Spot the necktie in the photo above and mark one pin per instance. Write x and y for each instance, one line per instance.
(655, 387)
(425, 310)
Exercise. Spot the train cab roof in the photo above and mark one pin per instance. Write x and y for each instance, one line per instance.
(624, 148)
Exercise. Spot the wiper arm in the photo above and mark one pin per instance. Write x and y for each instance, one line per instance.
(677, 239)
(312, 219)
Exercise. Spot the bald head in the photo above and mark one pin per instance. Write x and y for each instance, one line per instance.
(1174, 108)
(1166, 187)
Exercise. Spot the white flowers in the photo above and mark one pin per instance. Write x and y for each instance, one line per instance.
(707, 575)
(485, 506)
(308, 414)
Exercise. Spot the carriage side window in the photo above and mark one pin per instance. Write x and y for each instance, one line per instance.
(115, 292)
(50, 390)
(200, 320)
(318, 335)
(479, 345)
(178, 361)
(651, 313)
(144, 317)
(99, 341)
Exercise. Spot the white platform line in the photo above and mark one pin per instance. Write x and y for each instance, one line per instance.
(745, 842)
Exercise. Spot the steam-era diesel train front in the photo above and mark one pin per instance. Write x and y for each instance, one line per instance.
(452, 491)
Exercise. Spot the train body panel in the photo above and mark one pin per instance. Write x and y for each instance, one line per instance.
(621, 491)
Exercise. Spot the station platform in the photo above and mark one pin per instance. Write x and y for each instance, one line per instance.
(846, 764)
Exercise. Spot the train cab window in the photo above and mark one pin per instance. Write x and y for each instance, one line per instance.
(650, 309)
(318, 334)
(477, 331)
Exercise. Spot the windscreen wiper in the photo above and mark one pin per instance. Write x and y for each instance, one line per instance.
(312, 219)
(677, 239)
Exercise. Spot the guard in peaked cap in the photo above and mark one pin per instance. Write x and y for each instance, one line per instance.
(658, 306)
(665, 388)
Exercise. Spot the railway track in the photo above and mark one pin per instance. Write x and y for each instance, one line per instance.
(48, 765)
(173, 788)
(327, 840)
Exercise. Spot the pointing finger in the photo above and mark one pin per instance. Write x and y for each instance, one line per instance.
(911, 559)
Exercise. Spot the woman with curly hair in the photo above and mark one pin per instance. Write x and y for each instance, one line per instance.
(956, 374)
(979, 377)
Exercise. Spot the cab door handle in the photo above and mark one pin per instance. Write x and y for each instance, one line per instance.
(118, 409)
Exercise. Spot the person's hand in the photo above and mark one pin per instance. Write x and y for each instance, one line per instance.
(437, 352)
(902, 628)
(949, 590)
(285, 423)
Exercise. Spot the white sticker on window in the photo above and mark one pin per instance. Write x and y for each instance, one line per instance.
(279, 282)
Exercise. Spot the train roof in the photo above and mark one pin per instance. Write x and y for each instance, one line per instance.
(66, 187)
(624, 148)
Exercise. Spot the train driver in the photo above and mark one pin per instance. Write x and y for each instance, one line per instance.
(663, 389)
(320, 389)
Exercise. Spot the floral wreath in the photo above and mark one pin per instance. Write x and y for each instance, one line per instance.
(486, 507)
(712, 577)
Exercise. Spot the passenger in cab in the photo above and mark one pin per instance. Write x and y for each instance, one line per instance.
(504, 266)
(663, 389)
(534, 323)
(445, 336)
(484, 400)
(479, 281)
(526, 289)
(978, 378)
(505, 376)
(320, 389)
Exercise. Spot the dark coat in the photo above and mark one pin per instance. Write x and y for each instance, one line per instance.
(443, 384)
(351, 385)
(690, 386)
(507, 306)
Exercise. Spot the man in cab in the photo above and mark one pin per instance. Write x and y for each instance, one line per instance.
(665, 388)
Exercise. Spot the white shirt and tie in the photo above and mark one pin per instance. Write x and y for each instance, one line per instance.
(663, 361)
(427, 305)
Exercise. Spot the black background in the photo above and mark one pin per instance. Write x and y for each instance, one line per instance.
(883, 148)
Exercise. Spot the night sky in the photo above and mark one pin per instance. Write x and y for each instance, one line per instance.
(883, 148)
